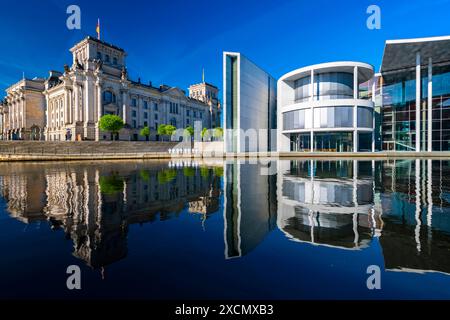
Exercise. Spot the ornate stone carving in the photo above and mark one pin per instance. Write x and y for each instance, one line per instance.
(124, 75)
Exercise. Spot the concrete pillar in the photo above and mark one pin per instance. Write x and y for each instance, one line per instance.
(418, 95)
(430, 105)
(355, 109)
(374, 88)
(311, 94)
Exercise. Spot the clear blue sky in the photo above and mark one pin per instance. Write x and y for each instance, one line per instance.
(171, 41)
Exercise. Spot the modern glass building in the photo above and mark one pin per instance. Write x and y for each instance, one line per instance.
(250, 105)
(415, 87)
(326, 107)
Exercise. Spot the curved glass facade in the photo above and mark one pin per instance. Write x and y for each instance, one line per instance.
(365, 117)
(302, 92)
(333, 85)
(297, 120)
(333, 117)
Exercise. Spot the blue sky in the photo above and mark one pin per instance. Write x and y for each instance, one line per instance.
(171, 41)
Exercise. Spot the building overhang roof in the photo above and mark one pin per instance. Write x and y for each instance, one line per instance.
(401, 54)
(365, 71)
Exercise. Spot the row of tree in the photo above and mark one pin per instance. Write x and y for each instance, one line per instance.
(113, 124)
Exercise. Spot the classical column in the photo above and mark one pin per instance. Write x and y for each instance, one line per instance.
(430, 105)
(67, 106)
(418, 89)
(76, 102)
(22, 112)
(99, 109)
(124, 107)
(355, 109)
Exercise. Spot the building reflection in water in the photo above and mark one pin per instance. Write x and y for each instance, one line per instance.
(327, 203)
(95, 204)
(415, 196)
(402, 204)
(250, 206)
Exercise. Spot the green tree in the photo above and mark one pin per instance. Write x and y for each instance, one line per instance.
(162, 130)
(206, 134)
(145, 132)
(111, 123)
(189, 131)
(166, 130)
(218, 133)
(170, 130)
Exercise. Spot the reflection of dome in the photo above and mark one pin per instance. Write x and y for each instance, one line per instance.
(336, 230)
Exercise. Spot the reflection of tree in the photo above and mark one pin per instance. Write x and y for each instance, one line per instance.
(218, 171)
(189, 172)
(204, 172)
(145, 175)
(111, 185)
(165, 176)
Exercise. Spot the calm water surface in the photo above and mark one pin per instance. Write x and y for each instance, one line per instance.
(187, 230)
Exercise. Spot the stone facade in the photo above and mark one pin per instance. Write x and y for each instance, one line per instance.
(97, 83)
(23, 111)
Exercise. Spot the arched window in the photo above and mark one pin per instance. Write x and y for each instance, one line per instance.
(109, 97)
(114, 61)
(107, 59)
(99, 55)
(173, 122)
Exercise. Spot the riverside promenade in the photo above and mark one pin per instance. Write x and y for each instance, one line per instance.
(129, 150)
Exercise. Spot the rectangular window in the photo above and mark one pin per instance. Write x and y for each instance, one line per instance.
(133, 102)
(134, 124)
(134, 113)
(188, 113)
(145, 124)
(145, 115)
(156, 116)
(156, 106)
(145, 105)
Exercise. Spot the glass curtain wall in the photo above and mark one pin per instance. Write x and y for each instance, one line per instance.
(399, 111)
(301, 142)
(441, 108)
(333, 141)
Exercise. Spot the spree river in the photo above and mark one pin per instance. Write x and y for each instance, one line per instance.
(288, 229)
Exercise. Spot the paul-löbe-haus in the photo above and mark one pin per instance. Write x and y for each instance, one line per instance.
(68, 105)
(346, 106)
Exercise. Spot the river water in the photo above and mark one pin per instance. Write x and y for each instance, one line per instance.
(287, 229)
